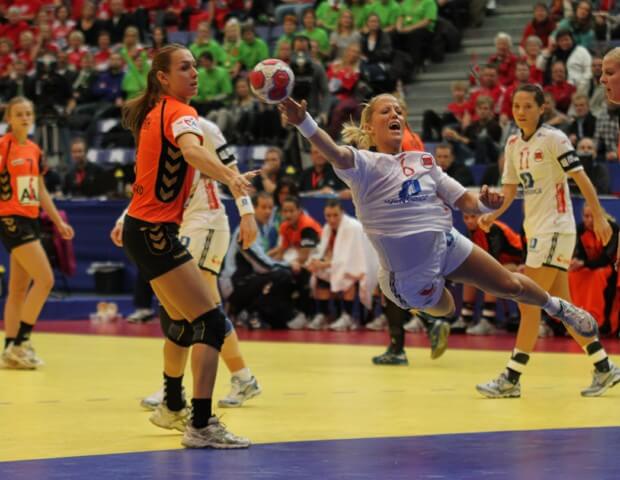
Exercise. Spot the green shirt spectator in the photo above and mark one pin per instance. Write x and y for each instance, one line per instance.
(315, 33)
(414, 11)
(213, 82)
(135, 78)
(359, 14)
(210, 46)
(388, 12)
(252, 49)
(328, 13)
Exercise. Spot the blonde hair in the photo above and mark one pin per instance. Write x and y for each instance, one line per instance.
(15, 101)
(613, 55)
(358, 135)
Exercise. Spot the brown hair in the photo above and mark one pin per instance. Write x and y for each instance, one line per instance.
(15, 101)
(136, 109)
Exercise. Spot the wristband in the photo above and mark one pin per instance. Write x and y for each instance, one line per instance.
(482, 208)
(308, 127)
(244, 205)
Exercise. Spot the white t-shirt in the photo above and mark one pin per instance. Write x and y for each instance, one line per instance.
(539, 165)
(203, 208)
(397, 196)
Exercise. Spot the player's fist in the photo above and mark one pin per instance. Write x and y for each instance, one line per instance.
(491, 198)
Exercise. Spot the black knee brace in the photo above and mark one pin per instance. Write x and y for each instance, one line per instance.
(179, 332)
(210, 328)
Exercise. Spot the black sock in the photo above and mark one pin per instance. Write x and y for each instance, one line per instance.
(467, 312)
(396, 317)
(201, 412)
(516, 365)
(173, 393)
(488, 312)
(599, 357)
(348, 306)
(23, 334)
(323, 306)
(7, 341)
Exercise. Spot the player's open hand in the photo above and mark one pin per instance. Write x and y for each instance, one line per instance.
(116, 235)
(292, 112)
(491, 198)
(240, 185)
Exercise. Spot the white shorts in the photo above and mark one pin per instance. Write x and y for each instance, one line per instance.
(550, 250)
(421, 287)
(207, 246)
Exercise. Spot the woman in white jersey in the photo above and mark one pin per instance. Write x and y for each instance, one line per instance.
(539, 159)
(402, 200)
(205, 232)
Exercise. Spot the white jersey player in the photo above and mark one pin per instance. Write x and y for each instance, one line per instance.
(402, 202)
(539, 159)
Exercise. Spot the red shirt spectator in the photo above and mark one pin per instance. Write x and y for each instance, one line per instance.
(522, 76)
(62, 26)
(560, 89)
(6, 57)
(504, 59)
(490, 87)
(14, 27)
(542, 25)
(27, 8)
(103, 52)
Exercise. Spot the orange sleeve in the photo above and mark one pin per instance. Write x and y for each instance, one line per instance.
(181, 119)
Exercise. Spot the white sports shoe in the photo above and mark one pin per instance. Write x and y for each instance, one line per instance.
(415, 325)
(378, 324)
(214, 435)
(483, 327)
(153, 401)
(459, 326)
(20, 357)
(578, 319)
(500, 387)
(299, 322)
(602, 381)
(33, 355)
(169, 419)
(319, 322)
(343, 323)
(240, 391)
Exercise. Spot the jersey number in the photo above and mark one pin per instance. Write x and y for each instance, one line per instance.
(527, 180)
(524, 159)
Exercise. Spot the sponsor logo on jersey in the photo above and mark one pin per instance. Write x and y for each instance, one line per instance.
(427, 161)
(409, 192)
(538, 156)
(18, 161)
(28, 190)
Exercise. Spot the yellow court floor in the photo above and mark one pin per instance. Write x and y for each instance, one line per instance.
(85, 401)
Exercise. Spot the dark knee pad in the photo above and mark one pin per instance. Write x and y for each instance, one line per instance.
(228, 327)
(179, 332)
(210, 329)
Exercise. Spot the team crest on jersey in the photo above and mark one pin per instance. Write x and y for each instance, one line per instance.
(538, 156)
(28, 190)
(427, 161)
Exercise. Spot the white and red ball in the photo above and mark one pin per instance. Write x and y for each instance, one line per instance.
(272, 80)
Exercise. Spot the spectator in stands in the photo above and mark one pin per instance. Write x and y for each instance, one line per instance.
(214, 90)
(414, 29)
(343, 76)
(581, 25)
(242, 115)
(320, 178)
(103, 50)
(131, 46)
(14, 26)
(593, 87)
(271, 171)
(584, 123)
(359, 10)
(27, 50)
(252, 49)
(7, 57)
(328, 13)
(606, 133)
(136, 75)
(64, 68)
(561, 90)
(535, 59)
(63, 25)
(607, 20)
(17, 84)
(377, 69)
(489, 87)
(552, 116)
(119, 21)
(595, 169)
(204, 43)
(160, 39)
(232, 47)
(504, 59)
(108, 84)
(89, 24)
(541, 26)
(50, 92)
(343, 263)
(29, 9)
(84, 178)
(433, 124)
(591, 274)
(76, 49)
(45, 43)
(287, 187)
(82, 87)
(289, 27)
(314, 32)
(343, 35)
(444, 155)
(283, 51)
(522, 76)
(576, 58)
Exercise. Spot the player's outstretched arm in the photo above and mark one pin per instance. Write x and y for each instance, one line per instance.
(295, 114)
(486, 201)
(509, 192)
(602, 229)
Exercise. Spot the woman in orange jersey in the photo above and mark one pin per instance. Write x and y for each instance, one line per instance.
(22, 193)
(169, 148)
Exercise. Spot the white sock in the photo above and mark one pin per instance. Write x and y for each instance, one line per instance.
(245, 375)
(553, 306)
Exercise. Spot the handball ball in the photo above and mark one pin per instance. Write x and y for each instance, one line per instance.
(272, 80)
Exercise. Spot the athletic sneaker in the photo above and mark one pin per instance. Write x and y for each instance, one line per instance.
(214, 435)
(378, 324)
(415, 325)
(602, 381)
(141, 315)
(438, 335)
(578, 319)
(6, 362)
(391, 358)
(460, 326)
(156, 399)
(169, 419)
(483, 327)
(299, 322)
(319, 322)
(27, 345)
(20, 356)
(240, 391)
(343, 323)
(500, 387)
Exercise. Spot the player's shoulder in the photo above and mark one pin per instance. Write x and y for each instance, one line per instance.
(549, 133)
(176, 108)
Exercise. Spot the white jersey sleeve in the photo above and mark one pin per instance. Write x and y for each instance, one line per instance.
(563, 151)
(448, 189)
(212, 132)
(510, 175)
(186, 124)
(357, 173)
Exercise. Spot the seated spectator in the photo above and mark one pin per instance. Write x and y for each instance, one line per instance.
(204, 43)
(119, 20)
(343, 35)
(584, 123)
(7, 57)
(220, 13)
(593, 87)
(253, 281)
(286, 187)
(27, 50)
(504, 59)
(232, 47)
(580, 24)
(240, 119)
(576, 58)
(388, 12)
(82, 87)
(343, 76)
(177, 13)
(108, 84)
(597, 171)
(252, 49)
(607, 20)
(414, 29)
(591, 274)
(84, 178)
(433, 124)
(359, 10)
(45, 43)
(76, 49)
(18, 83)
(606, 132)
(506, 246)
(320, 178)
(289, 27)
(89, 24)
(283, 51)
(535, 60)
(14, 26)
(136, 76)
(131, 46)
(63, 25)
(541, 26)
(559, 88)
(522, 77)
(444, 155)
(378, 70)
(328, 13)
(489, 87)
(314, 32)
(103, 51)
(159, 39)
(271, 171)
(29, 9)
(343, 263)
(214, 89)
(552, 116)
